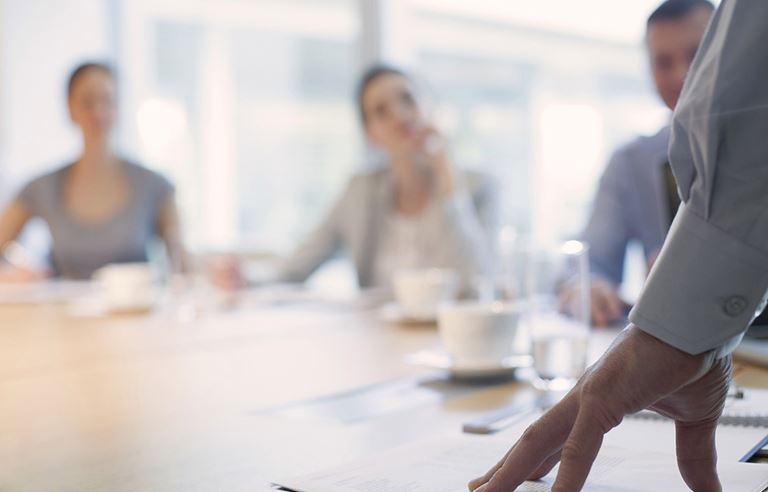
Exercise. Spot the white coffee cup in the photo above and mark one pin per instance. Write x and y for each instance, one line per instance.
(478, 334)
(419, 292)
(126, 286)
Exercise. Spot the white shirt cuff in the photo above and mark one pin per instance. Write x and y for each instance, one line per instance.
(704, 289)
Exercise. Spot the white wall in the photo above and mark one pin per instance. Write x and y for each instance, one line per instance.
(40, 42)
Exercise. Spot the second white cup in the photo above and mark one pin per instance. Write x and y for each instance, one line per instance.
(419, 292)
(480, 334)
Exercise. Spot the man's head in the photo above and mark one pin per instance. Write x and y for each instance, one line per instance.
(673, 33)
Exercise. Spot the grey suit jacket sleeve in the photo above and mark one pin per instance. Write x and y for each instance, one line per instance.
(606, 232)
(712, 273)
(322, 244)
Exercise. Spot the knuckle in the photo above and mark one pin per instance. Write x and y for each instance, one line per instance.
(572, 450)
(598, 411)
(529, 435)
(592, 390)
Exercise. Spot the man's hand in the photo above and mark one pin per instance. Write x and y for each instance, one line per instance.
(637, 372)
(606, 306)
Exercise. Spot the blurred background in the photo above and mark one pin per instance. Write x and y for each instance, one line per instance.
(248, 106)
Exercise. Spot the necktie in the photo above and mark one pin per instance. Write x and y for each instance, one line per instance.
(670, 187)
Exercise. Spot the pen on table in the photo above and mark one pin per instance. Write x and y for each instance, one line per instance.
(500, 419)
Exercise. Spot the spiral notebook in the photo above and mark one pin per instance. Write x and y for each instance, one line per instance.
(749, 411)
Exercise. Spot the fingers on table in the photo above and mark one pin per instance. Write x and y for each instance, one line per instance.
(538, 448)
(580, 449)
(477, 482)
(546, 467)
(697, 456)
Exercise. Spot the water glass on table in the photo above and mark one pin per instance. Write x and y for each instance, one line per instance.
(559, 356)
(559, 334)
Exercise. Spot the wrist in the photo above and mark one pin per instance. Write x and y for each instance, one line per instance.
(703, 362)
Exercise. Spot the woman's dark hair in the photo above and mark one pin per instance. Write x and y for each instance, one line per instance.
(82, 69)
(371, 74)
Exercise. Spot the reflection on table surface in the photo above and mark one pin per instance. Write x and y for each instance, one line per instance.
(213, 400)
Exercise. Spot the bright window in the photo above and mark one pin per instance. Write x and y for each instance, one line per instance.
(248, 105)
(536, 98)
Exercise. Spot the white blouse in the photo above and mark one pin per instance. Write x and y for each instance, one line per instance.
(407, 242)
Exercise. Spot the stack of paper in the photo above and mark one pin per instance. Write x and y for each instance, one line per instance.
(446, 464)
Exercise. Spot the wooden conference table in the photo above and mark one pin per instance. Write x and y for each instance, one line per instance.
(211, 401)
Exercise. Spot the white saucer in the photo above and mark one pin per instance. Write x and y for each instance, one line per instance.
(436, 359)
(393, 313)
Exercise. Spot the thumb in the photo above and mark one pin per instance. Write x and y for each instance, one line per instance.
(697, 456)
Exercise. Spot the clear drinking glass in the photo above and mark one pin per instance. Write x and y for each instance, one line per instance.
(555, 279)
(506, 282)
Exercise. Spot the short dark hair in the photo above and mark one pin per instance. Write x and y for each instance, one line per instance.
(83, 68)
(677, 9)
(372, 73)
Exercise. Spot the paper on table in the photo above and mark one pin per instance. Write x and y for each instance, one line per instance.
(446, 464)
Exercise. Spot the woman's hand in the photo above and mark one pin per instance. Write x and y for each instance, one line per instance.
(10, 274)
(637, 372)
(433, 146)
(226, 273)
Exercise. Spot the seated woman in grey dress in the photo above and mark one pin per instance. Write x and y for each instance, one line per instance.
(417, 211)
(99, 209)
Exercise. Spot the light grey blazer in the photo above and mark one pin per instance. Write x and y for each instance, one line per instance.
(467, 222)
